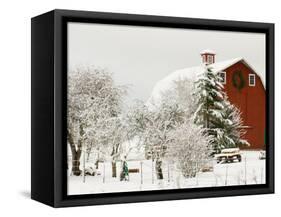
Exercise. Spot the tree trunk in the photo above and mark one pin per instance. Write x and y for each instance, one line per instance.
(114, 169)
(113, 163)
(158, 168)
(76, 162)
(97, 164)
(76, 154)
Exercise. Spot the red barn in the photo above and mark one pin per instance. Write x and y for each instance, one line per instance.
(243, 85)
(246, 90)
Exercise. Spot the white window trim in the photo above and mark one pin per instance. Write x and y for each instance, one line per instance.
(224, 75)
(254, 84)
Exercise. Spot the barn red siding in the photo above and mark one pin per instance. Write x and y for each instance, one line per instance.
(251, 102)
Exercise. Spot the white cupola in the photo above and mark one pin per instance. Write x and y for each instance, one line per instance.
(208, 56)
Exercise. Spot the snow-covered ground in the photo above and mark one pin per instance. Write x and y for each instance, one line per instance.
(250, 171)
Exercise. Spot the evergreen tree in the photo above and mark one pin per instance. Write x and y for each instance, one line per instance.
(230, 129)
(209, 100)
(215, 113)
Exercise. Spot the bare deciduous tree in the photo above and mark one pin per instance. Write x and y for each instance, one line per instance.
(189, 146)
(93, 98)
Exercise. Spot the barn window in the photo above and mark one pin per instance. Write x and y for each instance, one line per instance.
(223, 77)
(204, 58)
(252, 80)
(210, 59)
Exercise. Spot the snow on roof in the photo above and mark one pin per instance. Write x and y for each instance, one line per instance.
(167, 82)
(207, 51)
(191, 73)
(220, 66)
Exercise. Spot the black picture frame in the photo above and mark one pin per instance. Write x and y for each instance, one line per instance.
(49, 88)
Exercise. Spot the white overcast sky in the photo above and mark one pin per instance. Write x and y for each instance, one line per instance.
(141, 56)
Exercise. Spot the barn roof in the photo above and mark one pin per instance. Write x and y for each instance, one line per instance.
(220, 66)
(191, 73)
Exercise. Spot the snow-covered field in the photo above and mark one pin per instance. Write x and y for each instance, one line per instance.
(250, 171)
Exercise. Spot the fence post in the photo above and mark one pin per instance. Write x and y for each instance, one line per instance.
(172, 172)
(84, 175)
(261, 175)
(196, 173)
(103, 172)
(226, 174)
(141, 172)
(152, 171)
(168, 171)
(245, 175)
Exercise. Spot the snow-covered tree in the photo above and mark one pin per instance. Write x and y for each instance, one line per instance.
(93, 98)
(181, 94)
(136, 119)
(209, 98)
(113, 135)
(160, 122)
(189, 147)
(215, 113)
(151, 127)
(230, 128)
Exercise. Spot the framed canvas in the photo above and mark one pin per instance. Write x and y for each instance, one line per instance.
(133, 108)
